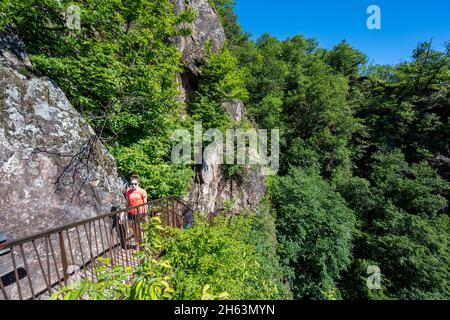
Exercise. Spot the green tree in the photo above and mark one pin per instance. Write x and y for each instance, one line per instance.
(429, 68)
(221, 81)
(315, 230)
(345, 59)
(402, 229)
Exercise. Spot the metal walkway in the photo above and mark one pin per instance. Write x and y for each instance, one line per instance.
(37, 266)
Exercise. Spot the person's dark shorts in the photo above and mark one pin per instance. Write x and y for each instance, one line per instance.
(135, 217)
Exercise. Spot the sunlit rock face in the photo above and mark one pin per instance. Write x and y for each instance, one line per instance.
(205, 28)
(53, 171)
(214, 190)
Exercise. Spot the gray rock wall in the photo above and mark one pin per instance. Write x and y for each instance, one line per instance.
(53, 171)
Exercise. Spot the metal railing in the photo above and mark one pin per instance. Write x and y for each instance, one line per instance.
(34, 267)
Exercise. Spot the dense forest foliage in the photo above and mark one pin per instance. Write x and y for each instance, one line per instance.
(365, 150)
(365, 163)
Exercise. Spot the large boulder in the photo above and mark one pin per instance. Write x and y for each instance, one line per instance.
(53, 169)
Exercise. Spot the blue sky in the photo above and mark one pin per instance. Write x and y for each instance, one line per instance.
(404, 23)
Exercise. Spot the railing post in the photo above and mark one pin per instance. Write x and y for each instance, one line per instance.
(65, 265)
(5, 295)
(210, 219)
(16, 274)
(174, 220)
(167, 215)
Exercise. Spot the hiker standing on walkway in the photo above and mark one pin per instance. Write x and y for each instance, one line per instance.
(136, 196)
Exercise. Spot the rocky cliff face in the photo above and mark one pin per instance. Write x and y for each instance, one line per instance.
(212, 190)
(206, 27)
(53, 170)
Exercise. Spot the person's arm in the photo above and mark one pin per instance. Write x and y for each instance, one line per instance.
(145, 201)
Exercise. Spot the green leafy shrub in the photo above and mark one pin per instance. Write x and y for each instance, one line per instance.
(221, 80)
(236, 255)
